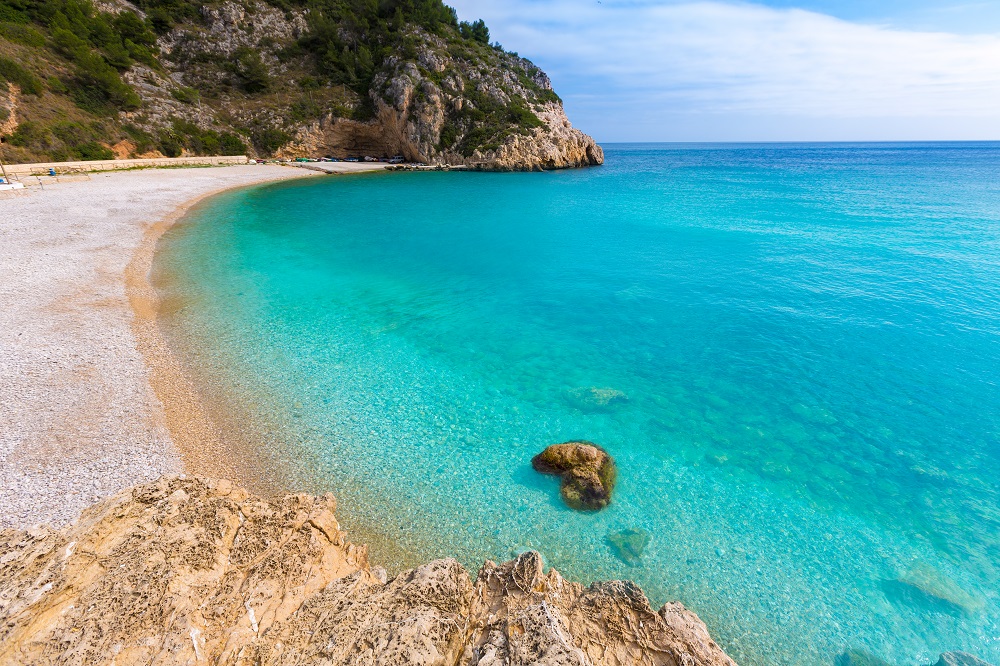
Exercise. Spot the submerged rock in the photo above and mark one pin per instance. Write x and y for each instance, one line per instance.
(588, 473)
(926, 587)
(629, 544)
(191, 571)
(589, 398)
(960, 659)
(854, 657)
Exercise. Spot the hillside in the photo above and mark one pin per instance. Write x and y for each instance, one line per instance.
(82, 80)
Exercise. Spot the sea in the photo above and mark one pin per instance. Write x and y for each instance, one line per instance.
(792, 351)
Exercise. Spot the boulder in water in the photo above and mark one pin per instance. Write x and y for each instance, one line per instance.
(588, 473)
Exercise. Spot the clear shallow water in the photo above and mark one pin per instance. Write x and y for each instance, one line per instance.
(808, 337)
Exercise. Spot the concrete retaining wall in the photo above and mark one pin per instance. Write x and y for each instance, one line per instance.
(42, 168)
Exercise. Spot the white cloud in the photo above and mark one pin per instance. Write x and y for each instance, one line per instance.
(746, 59)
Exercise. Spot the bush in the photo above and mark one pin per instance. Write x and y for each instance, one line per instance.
(449, 133)
(305, 109)
(185, 95)
(485, 138)
(11, 14)
(22, 34)
(187, 135)
(252, 72)
(230, 144)
(92, 150)
(477, 31)
(12, 71)
(171, 145)
(72, 134)
(56, 85)
(142, 140)
(269, 139)
(30, 134)
(99, 89)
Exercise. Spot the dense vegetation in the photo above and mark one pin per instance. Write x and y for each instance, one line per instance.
(68, 60)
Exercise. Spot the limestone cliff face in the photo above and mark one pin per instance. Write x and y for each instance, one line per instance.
(191, 571)
(468, 104)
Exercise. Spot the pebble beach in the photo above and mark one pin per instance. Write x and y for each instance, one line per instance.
(79, 418)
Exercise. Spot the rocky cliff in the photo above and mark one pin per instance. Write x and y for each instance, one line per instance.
(189, 571)
(458, 104)
(284, 78)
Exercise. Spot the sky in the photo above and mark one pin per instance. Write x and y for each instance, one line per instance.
(772, 70)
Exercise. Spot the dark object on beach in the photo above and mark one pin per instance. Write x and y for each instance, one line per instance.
(629, 544)
(588, 473)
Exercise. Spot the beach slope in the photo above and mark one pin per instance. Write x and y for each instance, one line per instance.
(79, 420)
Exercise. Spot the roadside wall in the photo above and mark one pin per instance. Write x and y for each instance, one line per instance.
(42, 168)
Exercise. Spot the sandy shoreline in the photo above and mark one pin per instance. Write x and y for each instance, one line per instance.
(82, 415)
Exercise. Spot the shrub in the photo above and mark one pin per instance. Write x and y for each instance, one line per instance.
(305, 109)
(71, 133)
(92, 150)
(185, 95)
(230, 144)
(142, 140)
(549, 95)
(171, 145)
(69, 43)
(12, 71)
(449, 133)
(22, 34)
(99, 89)
(56, 85)
(252, 72)
(477, 31)
(30, 134)
(269, 139)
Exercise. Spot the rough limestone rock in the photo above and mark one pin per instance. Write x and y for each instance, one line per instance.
(588, 473)
(192, 571)
(425, 112)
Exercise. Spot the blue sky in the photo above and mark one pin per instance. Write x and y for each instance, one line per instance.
(772, 70)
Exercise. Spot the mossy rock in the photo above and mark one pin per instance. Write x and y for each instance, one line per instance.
(629, 544)
(588, 473)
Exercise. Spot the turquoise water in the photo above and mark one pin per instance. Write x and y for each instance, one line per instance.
(805, 340)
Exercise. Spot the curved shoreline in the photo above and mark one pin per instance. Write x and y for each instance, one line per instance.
(208, 424)
(81, 419)
(193, 432)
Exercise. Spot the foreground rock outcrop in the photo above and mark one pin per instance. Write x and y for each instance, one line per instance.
(190, 571)
(588, 473)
